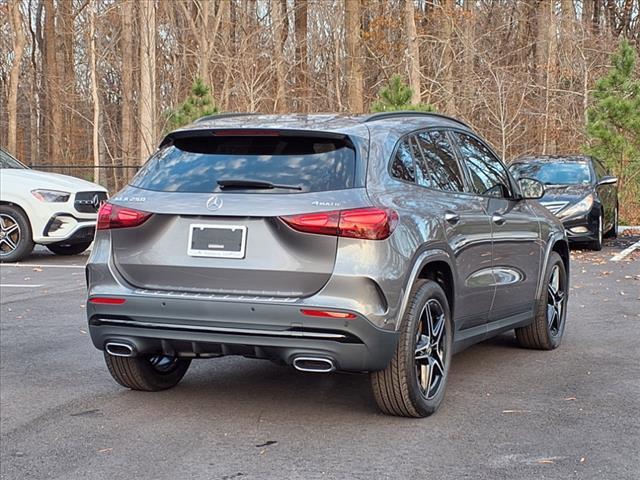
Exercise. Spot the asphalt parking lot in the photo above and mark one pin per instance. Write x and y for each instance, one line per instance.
(508, 413)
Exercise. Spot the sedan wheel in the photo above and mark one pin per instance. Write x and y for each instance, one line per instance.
(597, 243)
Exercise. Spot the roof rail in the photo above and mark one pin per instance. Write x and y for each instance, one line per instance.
(217, 116)
(410, 113)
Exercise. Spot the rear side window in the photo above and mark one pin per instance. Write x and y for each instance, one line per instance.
(443, 171)
(402, 166)
(196, 164)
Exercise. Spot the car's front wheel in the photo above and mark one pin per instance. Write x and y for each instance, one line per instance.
(545, 332)
(15, 234)
(68, 249)
(413, 384)
(613, 233)
(596, 244)
(149, 373)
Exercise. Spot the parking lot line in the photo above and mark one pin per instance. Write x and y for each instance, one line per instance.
(625, 252)
(12, 285)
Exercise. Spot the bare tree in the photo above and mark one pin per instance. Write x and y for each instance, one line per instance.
(19, 41)
(354, 69)
(147, 105)
(413, 52)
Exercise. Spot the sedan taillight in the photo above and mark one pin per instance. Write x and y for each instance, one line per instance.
(114, 216)
(365, 223)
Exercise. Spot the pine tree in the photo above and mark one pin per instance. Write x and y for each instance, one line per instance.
(613, 124)
(396, 95)
(198, 104)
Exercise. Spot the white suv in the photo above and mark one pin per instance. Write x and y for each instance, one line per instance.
(54, 210)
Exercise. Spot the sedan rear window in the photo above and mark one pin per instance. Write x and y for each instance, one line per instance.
(250, 164)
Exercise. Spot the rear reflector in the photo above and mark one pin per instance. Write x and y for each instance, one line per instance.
(327, 314)
(366, 223)
(107, 300)
(114, 216)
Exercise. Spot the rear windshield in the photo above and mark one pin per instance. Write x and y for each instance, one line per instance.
(197, 164)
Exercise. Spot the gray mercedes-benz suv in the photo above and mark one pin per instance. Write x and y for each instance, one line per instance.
(381, 244)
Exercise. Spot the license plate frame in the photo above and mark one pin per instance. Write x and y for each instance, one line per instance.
(217, 250)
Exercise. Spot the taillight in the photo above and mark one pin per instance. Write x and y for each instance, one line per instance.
(114, 216)
(366, 223)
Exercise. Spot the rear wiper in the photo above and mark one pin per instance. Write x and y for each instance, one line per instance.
(258, 184)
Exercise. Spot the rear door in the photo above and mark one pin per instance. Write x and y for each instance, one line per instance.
(466, 224)
(517, 247)
(217, 203)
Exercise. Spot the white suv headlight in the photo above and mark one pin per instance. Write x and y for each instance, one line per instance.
(51, 195)
(583, 206)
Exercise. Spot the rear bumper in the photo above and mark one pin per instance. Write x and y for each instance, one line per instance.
(193, 328)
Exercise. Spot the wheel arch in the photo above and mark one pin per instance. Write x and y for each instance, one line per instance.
(557, 243)
(435, 265)
(440, 272)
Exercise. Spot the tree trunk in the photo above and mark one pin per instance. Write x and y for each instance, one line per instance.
(277, 24)
(448, 57)
(128, 58)
(66, 74)
(413, 52)
(546, 61)
(94, 92)
(53, 117)
(302, 77)
(19, 40)
(147, 112)
(354, 69)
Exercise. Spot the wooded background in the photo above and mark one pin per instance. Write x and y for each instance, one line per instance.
(92, 81)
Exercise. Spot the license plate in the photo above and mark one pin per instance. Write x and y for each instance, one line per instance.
(220, 241)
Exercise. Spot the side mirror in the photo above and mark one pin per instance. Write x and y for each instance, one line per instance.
(531, 189)
(608, 180)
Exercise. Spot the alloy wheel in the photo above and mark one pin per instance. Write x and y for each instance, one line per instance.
(430, 354)
(556, 296)
(9, 234)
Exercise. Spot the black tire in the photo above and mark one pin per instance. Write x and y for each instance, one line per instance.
(16, 241)
(398, 389)
(545, 332)
(140, 373)
(613, 233)
(596, 244)
(68, 249)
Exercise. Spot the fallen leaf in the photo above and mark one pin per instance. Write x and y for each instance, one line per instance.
(105, 450)
(582, 460)
(545, 460)
(570, 398)
(37, 269)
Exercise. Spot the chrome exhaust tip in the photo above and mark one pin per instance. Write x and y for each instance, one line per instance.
(314, 364)
(119, 349)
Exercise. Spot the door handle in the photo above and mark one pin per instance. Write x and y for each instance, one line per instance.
(452, 218)
(498, 219)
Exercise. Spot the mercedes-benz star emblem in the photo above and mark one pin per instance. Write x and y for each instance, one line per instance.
(214, 203)
(95, 201)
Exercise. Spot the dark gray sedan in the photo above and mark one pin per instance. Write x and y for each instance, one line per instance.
(579, 191)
